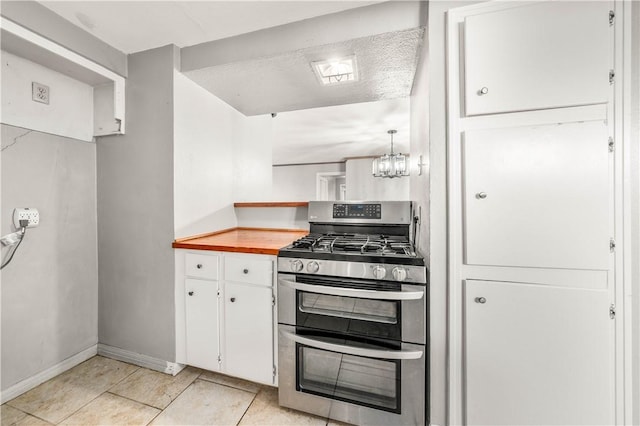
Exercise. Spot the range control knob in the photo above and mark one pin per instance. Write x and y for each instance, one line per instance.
(379, 272)
(313, 267)
(296, 265)
(399, 274)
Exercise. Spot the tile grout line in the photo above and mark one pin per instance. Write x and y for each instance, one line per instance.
(173, 399)
(27, 414)
(102, 393)
(249, 406)
(230, 386)
(133, 400)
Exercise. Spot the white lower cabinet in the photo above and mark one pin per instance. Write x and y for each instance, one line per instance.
(202, 323)
(248, 332)
(229, 317)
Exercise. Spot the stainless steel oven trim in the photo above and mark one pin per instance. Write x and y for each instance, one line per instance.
(413, 379)
(345, 349)
(354, 292)
(414, 320)
(364, 270)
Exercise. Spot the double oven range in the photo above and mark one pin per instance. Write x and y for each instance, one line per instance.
(352, 316)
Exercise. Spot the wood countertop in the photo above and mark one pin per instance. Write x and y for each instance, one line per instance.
(242, 240)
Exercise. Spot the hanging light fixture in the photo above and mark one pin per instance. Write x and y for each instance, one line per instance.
(390, 165)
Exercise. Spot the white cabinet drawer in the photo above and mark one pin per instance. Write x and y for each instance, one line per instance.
(248, 270)
(201, 266)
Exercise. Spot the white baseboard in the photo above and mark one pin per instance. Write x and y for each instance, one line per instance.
(140, 359)
(51, 372)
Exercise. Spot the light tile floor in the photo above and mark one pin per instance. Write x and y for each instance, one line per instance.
(103, 391)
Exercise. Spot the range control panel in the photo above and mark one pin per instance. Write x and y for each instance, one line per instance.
(357, 211)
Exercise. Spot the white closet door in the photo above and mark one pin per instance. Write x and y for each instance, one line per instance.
(541, 55)
(537, 355)
(537, 196)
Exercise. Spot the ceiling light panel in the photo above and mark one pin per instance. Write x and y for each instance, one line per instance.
(336, 71)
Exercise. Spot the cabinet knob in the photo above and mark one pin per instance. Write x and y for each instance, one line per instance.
(481, 300)
(483, 91)
(233, 299)
(481, 195)
(190, 293)
(246, 271)
(199, 266)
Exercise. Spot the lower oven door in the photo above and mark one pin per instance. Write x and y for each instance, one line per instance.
(372, 309)
(349, 380)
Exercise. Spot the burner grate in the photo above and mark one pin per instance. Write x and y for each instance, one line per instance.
(382, 245)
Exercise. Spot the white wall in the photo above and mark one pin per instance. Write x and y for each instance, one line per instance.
(220, 157)
(50, 288)
(203, 147)
(273, 217)
(298, 182)
(420, 194)
(69, 112)
(136, 214)
(253, 158)
(361, 185)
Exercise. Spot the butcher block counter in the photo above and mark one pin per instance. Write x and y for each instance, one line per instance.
(242, 240)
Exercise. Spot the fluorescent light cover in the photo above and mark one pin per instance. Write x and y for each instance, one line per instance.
(336, 71)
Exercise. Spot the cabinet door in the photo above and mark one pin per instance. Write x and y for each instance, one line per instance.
(537, 355)
(537, 196)
(541, 55)
(202, 323)
(248, 331)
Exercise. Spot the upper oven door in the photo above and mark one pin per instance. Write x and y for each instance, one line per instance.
(368, 308)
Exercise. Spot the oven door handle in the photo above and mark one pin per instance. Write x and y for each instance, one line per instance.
(350, 350)
(354, 292)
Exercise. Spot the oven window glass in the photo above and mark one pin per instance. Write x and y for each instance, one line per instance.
(355, 316)
(381, 311)
(364, 381)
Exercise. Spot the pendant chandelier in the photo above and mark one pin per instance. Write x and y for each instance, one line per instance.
(390, 165)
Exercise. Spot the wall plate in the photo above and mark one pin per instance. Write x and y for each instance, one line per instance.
(26, 213)
(40, 93)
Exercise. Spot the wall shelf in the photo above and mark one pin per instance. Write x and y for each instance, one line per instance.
(273, 204)
(109, 87)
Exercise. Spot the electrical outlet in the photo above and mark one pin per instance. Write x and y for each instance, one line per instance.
(40, 93)
(26, 213)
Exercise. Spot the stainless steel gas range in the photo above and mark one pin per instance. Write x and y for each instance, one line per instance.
(352, 316)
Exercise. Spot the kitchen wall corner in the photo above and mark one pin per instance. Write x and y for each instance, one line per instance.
(136, 214)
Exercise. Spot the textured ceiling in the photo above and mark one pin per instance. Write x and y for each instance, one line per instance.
(133, 26)
(286, 82)
(334, 133)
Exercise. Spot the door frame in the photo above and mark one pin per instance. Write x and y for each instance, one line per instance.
(322, 180)
(622, 267)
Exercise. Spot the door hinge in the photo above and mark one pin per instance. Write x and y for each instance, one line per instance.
(612, 245)
(612, 76)
(275, 372)
(219, 358)
(612, 311)
(218, 294)
(273, 300)
(612, 17)
(612, 144)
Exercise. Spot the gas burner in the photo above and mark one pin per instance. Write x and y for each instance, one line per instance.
(371, 245)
